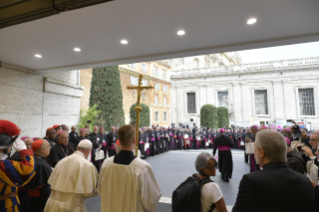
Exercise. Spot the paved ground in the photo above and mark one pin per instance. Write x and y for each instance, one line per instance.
(173, 167)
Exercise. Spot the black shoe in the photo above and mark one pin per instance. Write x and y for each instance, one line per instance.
(225, 180)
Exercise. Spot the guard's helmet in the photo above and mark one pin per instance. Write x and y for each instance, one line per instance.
(9, 132)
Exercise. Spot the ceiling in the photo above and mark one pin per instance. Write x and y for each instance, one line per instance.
(150, 27)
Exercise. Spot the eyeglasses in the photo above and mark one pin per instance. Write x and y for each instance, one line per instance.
(211, 167)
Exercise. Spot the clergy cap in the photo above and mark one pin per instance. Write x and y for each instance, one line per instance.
(24, 137)
(50, 128)
(85, 143)
(36, 145)
(83, 129)
(35, 138)
(56, 126)
(287, 129)
(59, 133)
(101, 127)
(221, 130)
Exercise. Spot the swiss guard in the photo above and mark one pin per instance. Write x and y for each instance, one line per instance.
(13, 174)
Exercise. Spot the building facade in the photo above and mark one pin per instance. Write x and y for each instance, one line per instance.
(263, 93)
(156, 74)
(158, 99)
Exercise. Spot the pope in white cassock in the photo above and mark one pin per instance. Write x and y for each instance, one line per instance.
(72, 181)
(127, 183)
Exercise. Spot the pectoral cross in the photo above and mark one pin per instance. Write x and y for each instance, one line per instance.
(138, 108)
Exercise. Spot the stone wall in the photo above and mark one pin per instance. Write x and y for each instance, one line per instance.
(38, 101)
(86, 79)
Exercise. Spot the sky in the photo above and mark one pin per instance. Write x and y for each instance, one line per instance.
(280, 53)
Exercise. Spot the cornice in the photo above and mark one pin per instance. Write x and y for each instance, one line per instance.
(145, 76)
(307, 64)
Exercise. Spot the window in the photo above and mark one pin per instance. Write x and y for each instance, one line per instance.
(165, 101)
(223, 98)
(144, 82)
(164, 75)
(191, 103)
(132, 65)
(155, 72)
(134, 80)
(144, 67)
(165, 116)
(156, 100)
(157, 86)
(133, 93)
(306, 102)
(165, 88)
(261, 102)
(143, 95)
(156, 116)
(196, 64)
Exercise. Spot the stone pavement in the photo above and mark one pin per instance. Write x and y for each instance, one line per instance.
(173, 167)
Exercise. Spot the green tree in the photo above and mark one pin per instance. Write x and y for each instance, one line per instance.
(208, 116)
(223, 116)
(90, 115)
(106, 93)
(144, 115)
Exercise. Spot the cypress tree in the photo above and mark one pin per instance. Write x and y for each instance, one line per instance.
(144, 115)
(106, 93)
(223, 116)
(208, 116)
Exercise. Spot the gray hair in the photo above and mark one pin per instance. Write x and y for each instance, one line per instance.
(202, 160)
(274, 145)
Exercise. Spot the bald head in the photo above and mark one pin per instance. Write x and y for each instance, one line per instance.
(273, 145)
(63, 138)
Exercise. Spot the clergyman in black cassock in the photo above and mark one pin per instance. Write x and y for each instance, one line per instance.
(225, 160)
(61, 149)
(39, 189)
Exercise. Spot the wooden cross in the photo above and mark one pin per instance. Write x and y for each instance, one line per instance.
(138, 108)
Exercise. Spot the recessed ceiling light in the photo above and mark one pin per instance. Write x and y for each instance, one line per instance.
(252, 21)
(77, 49)
(38, 55)
(124, 42)
(181, 32)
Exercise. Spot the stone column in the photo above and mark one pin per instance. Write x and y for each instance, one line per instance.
(279, 103)
(237, 103)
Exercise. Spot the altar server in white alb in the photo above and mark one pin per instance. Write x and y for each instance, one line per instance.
(72, 181)
(127, 183)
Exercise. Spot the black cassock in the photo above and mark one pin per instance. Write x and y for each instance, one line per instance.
(39, 182)
(225, 159)
(151, 137)
(74, 138)
(58, 152)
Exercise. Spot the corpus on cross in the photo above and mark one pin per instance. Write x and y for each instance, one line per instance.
(138, 108)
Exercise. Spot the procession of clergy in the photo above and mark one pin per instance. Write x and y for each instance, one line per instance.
(60, 171)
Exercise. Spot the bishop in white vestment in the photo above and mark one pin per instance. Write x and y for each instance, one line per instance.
(73, 180)
(127, 183)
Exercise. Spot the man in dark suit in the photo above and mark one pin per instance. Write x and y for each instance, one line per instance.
(277, 187)
(74, 136)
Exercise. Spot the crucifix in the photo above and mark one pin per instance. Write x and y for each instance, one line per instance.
(138, 108)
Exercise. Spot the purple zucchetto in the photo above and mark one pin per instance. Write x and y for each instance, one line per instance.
(24, 137)
(83, 129)
(221, 130)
